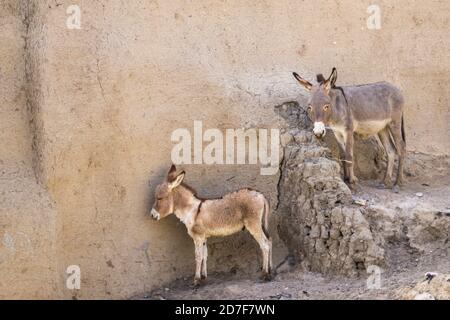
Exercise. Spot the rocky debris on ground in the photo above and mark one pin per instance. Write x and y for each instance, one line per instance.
(428, 288)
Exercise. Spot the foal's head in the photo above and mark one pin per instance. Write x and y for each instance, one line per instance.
(319, 103)
(164, 194)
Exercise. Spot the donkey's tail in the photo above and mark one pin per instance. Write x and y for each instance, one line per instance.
(265, 218)
(403, 129)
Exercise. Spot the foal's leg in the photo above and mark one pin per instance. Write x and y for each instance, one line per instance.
(204, 273)
(198, 260)
(390, 154)
(255, 229)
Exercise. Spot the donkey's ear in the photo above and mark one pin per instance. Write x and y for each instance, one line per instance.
(333, 77)
(307, 85)
(177, 181)
(171, 175)
(331, 80)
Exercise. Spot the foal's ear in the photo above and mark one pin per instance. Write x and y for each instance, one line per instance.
(172, 173)
(177, 181)
(307, 85)
(331, 80)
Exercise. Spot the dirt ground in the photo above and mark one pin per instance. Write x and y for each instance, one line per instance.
(407, 264)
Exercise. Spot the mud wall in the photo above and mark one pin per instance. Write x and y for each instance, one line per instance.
(27, 215)
(318, 221)
(14, 130)
(96, 108)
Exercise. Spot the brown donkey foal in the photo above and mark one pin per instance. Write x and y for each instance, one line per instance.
(244, 208)
(369, 109)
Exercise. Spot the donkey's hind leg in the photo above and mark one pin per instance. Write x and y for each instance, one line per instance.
(390, 154)
(400, 146)
(265, 244)
(270, 256)
(198, 242)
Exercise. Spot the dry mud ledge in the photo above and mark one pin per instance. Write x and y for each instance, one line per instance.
(335, 237)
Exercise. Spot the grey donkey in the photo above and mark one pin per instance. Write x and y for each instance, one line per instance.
(367, 110)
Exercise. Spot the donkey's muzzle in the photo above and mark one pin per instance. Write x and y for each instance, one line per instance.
(320, 135)
(319, 130)
(155, 214)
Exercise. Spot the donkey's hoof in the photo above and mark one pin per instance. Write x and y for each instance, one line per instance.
(353, 186)
(199, 282)
(396, 189)
(353, 180)
(385, 185)
(265, 277)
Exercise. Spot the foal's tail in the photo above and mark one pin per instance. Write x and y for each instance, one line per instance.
(265, 218)
(403, 129)
(265, 228)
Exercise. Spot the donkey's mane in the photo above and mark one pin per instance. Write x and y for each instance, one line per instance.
(342, 91)
(320, 78)
(189, 188)
(195, 193)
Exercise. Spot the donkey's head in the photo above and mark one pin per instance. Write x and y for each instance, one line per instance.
(164, 194)
(319, 104)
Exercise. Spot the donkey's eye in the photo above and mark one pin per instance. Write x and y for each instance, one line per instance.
(159, 198)
(326, 107)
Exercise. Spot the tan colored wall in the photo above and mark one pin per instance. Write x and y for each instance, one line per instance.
(14, 130)
(27, 216)
(105, 99)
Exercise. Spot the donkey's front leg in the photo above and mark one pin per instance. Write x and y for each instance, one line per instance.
(349, 157)
(341, 142)
(198, 261)
(204, 273)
